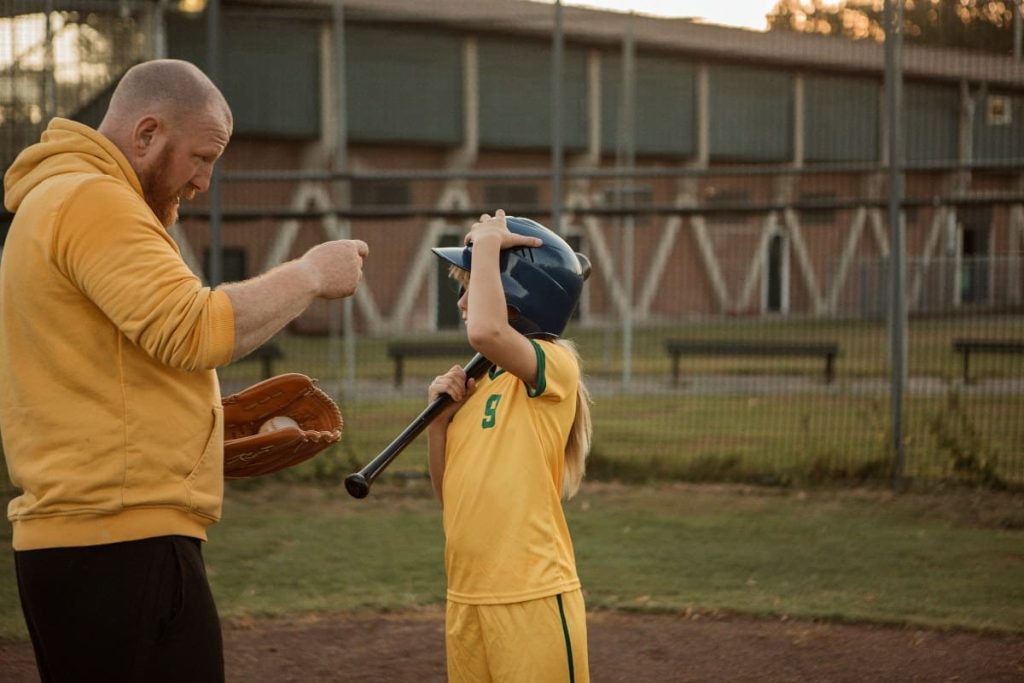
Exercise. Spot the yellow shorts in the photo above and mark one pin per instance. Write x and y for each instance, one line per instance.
(542, 640)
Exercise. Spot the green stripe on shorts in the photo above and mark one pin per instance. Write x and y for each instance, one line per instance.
(568, 641)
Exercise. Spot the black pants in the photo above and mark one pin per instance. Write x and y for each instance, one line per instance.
(134, 611)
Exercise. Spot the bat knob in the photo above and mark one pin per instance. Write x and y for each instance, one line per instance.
(356, 485)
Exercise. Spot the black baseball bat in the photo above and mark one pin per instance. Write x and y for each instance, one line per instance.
(358, 483)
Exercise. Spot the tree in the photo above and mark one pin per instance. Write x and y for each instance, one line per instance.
(985, 25)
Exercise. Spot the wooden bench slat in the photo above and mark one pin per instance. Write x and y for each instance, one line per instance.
(988, 345)
(968, 346)
(424, 349)
(751, 348)
(427, 349)
(680, 347)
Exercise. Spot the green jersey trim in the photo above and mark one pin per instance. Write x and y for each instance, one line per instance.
(541, 379)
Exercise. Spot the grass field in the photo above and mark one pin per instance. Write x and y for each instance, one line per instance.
(938, 561)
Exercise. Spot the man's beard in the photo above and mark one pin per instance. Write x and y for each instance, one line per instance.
(163, 202)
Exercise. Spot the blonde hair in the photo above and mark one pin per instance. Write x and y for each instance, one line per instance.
(459, 275)
(577, 446)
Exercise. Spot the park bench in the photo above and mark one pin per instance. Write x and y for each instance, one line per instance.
(968, 346)
(678, 348)
(400, 350)
(266, 355)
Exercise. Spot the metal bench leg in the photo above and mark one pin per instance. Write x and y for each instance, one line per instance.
(830, 371)
(967, 363)
(675, 369)
(398, 371)
(268, 367)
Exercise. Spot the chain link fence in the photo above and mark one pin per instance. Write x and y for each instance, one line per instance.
(738, 324)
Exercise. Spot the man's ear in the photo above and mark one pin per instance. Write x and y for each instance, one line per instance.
(144, 135)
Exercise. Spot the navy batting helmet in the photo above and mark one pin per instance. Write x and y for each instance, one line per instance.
(542, 284)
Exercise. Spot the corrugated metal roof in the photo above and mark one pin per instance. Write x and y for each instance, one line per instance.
(681, 36)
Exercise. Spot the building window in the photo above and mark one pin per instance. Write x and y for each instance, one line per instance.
(728, 198)
(369, 194)
(815, 216)
(512, 197)
(639, 195)
(998, 110)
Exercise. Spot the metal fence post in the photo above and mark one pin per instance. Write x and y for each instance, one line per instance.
(343, 200)
(557, 69)
(216, 273)
(627, 127)
(897, 305)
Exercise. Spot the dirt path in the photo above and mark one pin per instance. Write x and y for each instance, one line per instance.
(408, 647)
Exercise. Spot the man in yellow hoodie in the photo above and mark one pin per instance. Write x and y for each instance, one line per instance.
(109, 400)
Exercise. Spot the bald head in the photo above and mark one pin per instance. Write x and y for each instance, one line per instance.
(172, 124)
(169, 88)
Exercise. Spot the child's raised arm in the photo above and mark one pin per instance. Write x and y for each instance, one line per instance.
(487, 314)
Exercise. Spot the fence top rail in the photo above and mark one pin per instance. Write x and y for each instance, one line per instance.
(611, 210)
(689, 171)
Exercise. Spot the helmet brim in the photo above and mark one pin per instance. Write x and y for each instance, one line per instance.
(460, 257)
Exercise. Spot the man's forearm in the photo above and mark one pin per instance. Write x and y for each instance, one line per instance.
(265, 304)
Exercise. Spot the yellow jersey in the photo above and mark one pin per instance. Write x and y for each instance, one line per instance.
(506, 535)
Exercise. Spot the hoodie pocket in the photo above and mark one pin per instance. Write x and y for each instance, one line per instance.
(205, 482)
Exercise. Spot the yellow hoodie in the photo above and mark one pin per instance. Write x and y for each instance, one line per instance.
(109, 405)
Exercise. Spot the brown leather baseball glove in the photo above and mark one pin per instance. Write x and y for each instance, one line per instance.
(250, 452)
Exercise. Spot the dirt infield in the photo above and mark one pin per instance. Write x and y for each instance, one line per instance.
(408, 646)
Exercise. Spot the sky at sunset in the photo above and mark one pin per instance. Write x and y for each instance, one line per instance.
(740, 13)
